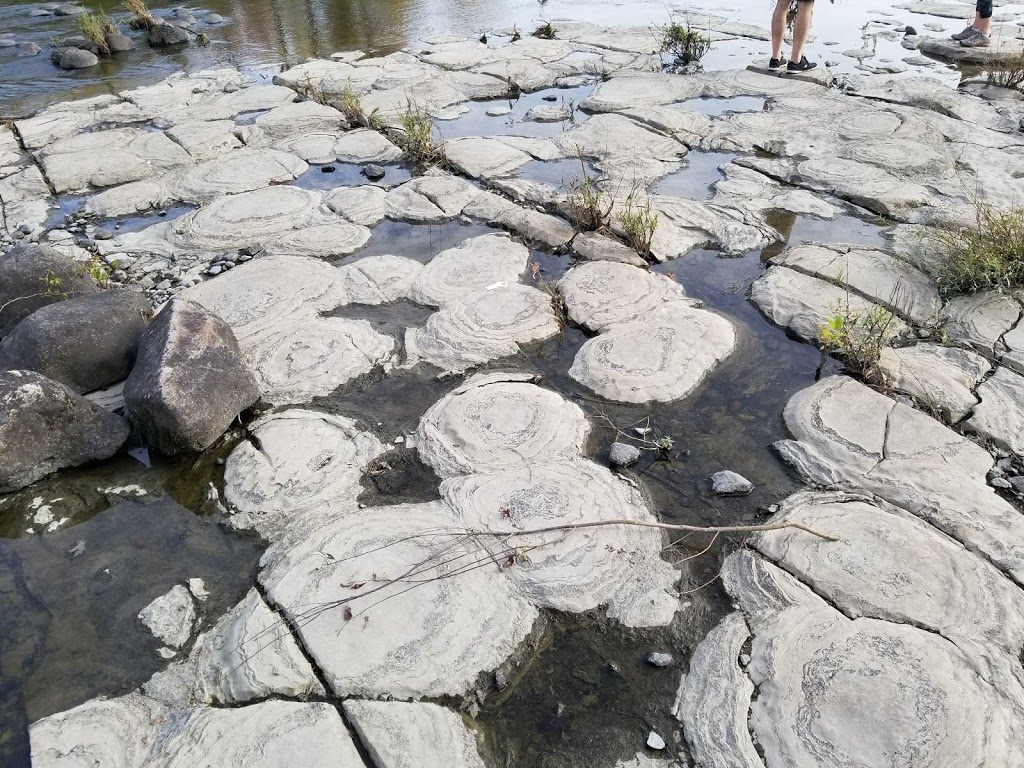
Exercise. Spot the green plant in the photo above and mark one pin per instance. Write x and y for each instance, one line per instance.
(545, 31)
(516, 37)
(202, 39)
(589, 206)
(416, 136)
(638, 222)
(858, 337)
(310, 90)
(97, 271)
(96, 27)
(682, 41)
(352, 108)
(988, 256)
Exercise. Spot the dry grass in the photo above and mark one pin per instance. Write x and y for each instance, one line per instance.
(141, 11)
(96, 27)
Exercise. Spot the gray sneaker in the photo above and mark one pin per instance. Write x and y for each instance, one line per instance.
(968, 32)
(977, 40)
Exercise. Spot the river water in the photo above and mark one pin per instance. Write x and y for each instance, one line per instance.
(269, 33)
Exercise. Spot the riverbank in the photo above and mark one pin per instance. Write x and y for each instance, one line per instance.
(444, 357)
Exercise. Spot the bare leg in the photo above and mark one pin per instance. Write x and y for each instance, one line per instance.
(983, 25)
(805, 10)
(779, 27)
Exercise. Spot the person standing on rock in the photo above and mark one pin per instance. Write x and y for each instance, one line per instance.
(801, 25)
(978, 35)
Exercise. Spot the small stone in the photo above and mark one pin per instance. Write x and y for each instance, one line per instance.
(744, 659)
(39, 12)
(28, 49)
(214, 270)
(660, 660)
(1018, 484)
(102, 234)
(213, 18)
(623, 455)
(118, 43)
(654, 741)
(499, 111)
(727, 483)
(198, 589)
(77, 58)
(550, 97)
(166, 653)
(6, 42)
(399, 440)
(501, 680)
(1000, 482)
(373, 172)
(69, 10)
(910, 31)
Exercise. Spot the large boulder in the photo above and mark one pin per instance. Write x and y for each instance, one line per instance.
(189, 381)
(33, 276)
(85, 343)
(44, 426)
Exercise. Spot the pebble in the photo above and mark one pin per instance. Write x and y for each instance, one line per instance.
(102, 234)
(373, 172)
(660, 660)
(1018, 484)
(910, 31)
(499, 111)
(214, 270)
(1000, 482)
(623, 455)
(654, 741)
(550, 97)
(501, 680)
(399, 440)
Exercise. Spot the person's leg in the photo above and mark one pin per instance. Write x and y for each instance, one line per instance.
(983, 20)
(805, 10)
(779, 27)
(969, 31)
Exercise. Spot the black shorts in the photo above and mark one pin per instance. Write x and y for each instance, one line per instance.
(984, 9)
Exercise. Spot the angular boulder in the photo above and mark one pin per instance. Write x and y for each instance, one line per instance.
(189, 381)
(30, 281)
(85, 343)
(44, 426)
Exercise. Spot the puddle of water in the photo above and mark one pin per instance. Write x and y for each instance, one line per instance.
(694, 181)
(333, 175)
(76, 634)
(420, 242)
(845, 228)
(715, 107)
(476, 122)
(249, 118)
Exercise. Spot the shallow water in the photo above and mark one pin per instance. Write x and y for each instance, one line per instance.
(700, 170)
(262, 34)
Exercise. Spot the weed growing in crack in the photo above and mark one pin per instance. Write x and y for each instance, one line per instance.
(416, 136)
(857, 337)
(352, 108)
(589, 206)
(545, 31)
(310, 90)
(1006, 72)
(638, 222)
(988, 256)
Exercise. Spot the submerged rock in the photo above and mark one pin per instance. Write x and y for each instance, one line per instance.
(171, 617)
(45, 426)
(85, 343)
(413, 734)
(189, 382)
(728, 483)
(623, 455)
(379, 279)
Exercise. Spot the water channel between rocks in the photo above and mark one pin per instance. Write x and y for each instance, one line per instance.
(584, 696)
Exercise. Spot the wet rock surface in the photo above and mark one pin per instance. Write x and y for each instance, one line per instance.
(463, 540)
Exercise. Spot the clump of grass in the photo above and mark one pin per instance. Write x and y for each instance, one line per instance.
(97, 271)
(857, 337)
(310, 90)
(516, 37)
(639, 223)
(545, 31)
(986, 257)
(589, 206)
(352, 108)
(141, 12)
(96, 27)
(416, 136)
(683, 41)
(1007, 73)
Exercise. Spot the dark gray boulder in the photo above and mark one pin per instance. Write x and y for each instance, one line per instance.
(56, 53)
(167, 34)
(78, 58)
(33, 276)
(84, 343)
(44, 427)
(118, 43)
(189, 381)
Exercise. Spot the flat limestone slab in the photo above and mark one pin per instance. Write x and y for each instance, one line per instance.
(847, 435)
(249, 654)
(482, 326)
(498, 420)
(599, 295)
(379, 279)
(106, 158)
(818, 75)
(571, 570)
(1000, 415)
(171, 617)
(306, 462)
(137, 732)
(981, 320)
(1002, 49)
(385, 606)
(470, 266)
(942, 378)
(874, 274)
(400, 734)
(662, 356)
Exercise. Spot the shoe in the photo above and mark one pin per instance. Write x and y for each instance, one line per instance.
(776, 63)
(968, 32)
(801, 66)
(977, 40)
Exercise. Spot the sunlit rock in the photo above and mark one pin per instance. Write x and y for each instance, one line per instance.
(471, 266)
(602, 294)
